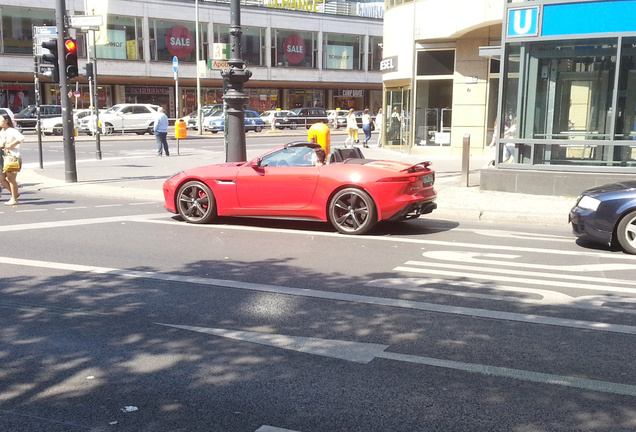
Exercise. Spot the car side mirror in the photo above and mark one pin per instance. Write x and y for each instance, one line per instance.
(257, 163)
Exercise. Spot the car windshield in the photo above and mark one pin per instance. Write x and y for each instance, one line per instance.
(26, 111)
(214, 113)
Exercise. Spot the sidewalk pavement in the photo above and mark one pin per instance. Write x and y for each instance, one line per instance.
(140, 176)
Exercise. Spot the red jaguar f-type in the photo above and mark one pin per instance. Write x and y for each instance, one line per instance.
(349, 191)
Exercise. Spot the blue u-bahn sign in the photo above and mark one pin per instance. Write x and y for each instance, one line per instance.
(523, 22)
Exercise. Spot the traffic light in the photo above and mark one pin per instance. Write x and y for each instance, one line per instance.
(51, 57)
(70, 55)
(88, 73)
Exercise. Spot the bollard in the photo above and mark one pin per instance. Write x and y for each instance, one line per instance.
(465, 160)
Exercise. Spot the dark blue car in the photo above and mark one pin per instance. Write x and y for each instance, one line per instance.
(607, 215)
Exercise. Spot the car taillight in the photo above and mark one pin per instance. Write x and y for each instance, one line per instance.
(402, 179)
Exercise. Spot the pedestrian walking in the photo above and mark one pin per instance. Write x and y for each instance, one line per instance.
(10, 140)
(367, 121)
(352, 128)
(379, 121)
(161, 132)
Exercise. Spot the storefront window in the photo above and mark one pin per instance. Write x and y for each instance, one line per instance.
(397, 119)
(17, 28)
(568, 90)
(122, 39)
(252, 42)
(375, 52)
(306, 98)
(294, 48)
(342, 52)
(173, 38)
(626, 109)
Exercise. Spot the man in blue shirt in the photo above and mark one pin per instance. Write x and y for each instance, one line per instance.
(161, 132)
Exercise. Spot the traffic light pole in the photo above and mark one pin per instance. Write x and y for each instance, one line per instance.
(38, 102)
(70, 163)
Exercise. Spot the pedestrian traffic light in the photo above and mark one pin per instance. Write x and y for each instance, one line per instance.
(88, 70)
(51, 57)
(70, 55)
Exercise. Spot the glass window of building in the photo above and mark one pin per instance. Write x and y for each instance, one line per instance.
(122, 39)
(173, 38)
(626, 109)
(568, 89)
(294, 48)
(252, 42)
(436, 62)
(17, 28)
(375, 52)
(342, 51)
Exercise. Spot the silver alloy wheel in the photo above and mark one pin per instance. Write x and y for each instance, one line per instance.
(109, 129)
(352, 211)
(195, 203)
(626, 233)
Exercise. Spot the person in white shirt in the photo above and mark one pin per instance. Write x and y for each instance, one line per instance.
(10, 140)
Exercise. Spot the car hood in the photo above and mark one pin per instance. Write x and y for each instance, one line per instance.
(612, 187)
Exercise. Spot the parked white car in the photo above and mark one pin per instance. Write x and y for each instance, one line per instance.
(53, 125)
(269, 116)
(138, 118)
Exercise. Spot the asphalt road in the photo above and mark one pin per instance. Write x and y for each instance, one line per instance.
(117, 316)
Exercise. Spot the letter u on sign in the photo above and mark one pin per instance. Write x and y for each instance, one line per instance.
(523, 22)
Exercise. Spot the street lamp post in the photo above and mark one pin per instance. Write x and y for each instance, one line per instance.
(235, 77)
(196, 36)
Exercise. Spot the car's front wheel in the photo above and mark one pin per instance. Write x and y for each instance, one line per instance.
(626, 233)
(352, 211)
(258, 128)
(293, 126)
(196, 203)
(109, 129)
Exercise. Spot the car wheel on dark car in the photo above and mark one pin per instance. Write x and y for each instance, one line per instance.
(626, 233)
(258, 128)
(195, 203)
(352, 211)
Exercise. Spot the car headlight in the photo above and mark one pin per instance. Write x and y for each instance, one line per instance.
(589, 203)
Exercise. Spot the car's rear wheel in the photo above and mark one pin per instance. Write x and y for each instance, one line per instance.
(352, 211)
(196, 203)
(258, 128)
(57, 130)
(626, 233)
(293, 126)
(109, 129)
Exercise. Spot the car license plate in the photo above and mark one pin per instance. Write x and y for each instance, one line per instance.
(428, 178)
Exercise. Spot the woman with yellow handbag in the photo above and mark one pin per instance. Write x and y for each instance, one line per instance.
(10, 140)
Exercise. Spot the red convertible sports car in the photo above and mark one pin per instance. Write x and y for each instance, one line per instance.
(350, 192)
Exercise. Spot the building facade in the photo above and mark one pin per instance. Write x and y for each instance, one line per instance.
(553, 81)
(300, 53)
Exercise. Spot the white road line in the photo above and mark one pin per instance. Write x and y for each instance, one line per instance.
(70, 208)
(77, 222)
(31, 211)
(326, 295)
(471, 272)
(109, 205)
(364, 352)
(501, 260)
(392, 239)
(524, 295)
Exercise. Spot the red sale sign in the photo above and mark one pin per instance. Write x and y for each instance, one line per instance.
(294, 49)
(179, 41)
